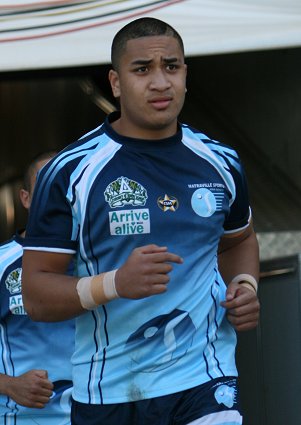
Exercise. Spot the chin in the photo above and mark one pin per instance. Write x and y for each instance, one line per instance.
(163, 121)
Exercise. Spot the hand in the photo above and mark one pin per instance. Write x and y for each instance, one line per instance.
(243, 307)
(145, 272)
(32, 389)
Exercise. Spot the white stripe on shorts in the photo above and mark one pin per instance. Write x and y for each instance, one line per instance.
(227, 417)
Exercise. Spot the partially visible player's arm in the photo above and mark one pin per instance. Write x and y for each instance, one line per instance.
(239, 255)
(50, 295)
(31, 389)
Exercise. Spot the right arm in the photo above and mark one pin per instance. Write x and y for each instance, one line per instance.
(31, 389)
(50, 295)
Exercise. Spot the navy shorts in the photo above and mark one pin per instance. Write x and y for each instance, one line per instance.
(213, 403)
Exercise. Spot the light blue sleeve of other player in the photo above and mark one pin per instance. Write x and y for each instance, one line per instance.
(27, 345)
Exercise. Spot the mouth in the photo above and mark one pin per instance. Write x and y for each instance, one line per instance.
(160, 103)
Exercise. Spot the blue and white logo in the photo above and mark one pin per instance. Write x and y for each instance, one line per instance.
(203, 202)
(225, 395)
(160, 342)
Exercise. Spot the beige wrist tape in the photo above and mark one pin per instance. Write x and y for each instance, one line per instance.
(109, 287)
(246, 280)
(96, 290)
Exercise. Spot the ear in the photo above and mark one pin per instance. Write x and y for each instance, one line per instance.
(114, 81)
(25, 198)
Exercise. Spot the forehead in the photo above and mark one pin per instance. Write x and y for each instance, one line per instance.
(149, 47)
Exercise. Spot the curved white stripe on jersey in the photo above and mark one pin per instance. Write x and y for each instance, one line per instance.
(220, 147)
(227, 417)
(191, 140)
(48, 249)
(224, 150)
(96, 161)
(228, 232)
(216, 145)
(91, 132)
(59, 162)
(81, 185)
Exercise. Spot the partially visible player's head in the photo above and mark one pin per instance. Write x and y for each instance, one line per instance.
(30, 176)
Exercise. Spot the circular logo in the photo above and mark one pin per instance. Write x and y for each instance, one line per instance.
(203, 202)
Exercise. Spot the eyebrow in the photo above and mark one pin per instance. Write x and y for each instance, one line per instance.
(148, 61)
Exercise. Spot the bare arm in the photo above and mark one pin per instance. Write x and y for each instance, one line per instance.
(50, 295)
(238, 253)
(32, 389)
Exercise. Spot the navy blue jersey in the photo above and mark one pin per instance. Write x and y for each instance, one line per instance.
(27, 345)
(107, 194)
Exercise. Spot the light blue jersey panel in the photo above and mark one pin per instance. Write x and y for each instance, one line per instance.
(27, 345)
(114, 194)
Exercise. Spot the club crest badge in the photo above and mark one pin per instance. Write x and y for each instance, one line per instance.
(14, 286)
(13, 281)
(124, 191)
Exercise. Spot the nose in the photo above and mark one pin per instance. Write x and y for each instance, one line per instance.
(159, 80)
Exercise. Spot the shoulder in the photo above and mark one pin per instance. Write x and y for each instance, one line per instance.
(220, 155)
(220, 150)
(76, 154)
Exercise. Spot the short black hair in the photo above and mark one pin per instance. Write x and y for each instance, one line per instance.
(30, 168)
(142, 27)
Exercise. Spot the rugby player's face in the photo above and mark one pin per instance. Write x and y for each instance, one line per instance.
(150, 84)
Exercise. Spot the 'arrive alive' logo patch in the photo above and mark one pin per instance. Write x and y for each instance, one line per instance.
(124, 191)
(13, 285)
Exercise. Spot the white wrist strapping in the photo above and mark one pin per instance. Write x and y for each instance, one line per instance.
(83, 288)
(85, 291)
(246, 279)
(109, 287)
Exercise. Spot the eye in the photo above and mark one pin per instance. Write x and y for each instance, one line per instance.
(171, 67)
(141, 70)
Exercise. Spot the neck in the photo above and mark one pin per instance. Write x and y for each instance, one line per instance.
(147, 134)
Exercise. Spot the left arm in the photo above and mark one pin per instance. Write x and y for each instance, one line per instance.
(239, 254)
